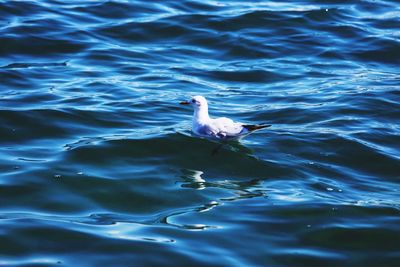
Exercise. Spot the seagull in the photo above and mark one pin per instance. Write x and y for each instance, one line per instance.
(219, 128)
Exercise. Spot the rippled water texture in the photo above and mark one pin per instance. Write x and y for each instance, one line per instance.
(99, 168)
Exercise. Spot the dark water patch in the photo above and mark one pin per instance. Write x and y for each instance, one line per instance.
(368, 7)
(293, 115)
(246, 21)
(382, 138)
(145, 32)
(38, 27)
(136, 152)
(26, 98)
(377, 49)
(19, 9)
(33, 65)
(348, 32)
(384, 25)
(357, 238)
(20, 126)
(327, 15)
(255, 76)
(368, 105)
(360, 155)
(39, 46)
(14, 79)
(42, 124)
(117, 10)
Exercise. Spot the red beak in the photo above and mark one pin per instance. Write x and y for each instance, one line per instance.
(184, 103)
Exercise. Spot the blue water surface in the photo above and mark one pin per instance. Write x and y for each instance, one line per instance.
(98, 166)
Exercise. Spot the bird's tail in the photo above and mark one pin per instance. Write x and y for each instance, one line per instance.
(254, 127)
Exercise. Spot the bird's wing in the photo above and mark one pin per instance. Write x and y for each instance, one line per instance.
(223, 127)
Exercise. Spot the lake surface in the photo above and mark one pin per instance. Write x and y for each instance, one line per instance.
(99, 166)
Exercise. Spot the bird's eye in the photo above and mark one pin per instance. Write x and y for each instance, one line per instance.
(193, 101)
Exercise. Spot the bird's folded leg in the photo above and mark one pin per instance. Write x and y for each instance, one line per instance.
(217, 149)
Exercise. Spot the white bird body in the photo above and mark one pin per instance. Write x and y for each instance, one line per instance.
(219, 128)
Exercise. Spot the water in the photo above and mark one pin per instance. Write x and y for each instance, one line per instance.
(98, 166)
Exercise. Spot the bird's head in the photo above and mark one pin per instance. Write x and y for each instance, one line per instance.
(197, 102)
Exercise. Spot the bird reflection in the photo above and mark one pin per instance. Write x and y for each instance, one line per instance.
(241, 189)
(193, 179)
(234, 146)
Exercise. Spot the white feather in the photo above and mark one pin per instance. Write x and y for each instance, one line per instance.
(220, 128)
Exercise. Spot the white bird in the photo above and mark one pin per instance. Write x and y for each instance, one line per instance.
(219, 128)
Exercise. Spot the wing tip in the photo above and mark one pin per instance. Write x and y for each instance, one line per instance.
(254, 127)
